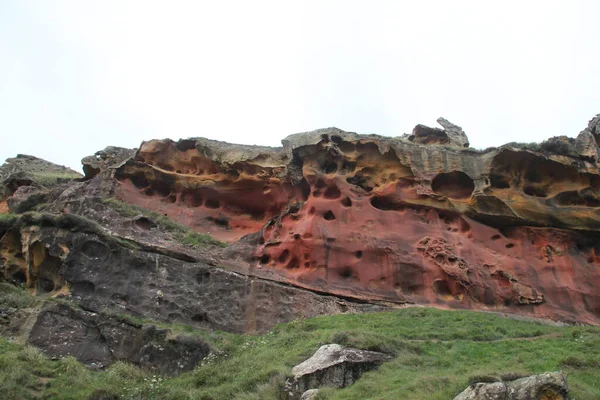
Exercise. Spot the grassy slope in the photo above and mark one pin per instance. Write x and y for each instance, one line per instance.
(437, 353)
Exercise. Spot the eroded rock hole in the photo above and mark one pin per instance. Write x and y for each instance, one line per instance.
(192, 199)
(359, 254)
(455, 184)
(221, 221)
(386, 204)
(16, 275)
(336, 139)
(293, 264)
(185, 145)
(441, 288)
(332, 193)
(534, 191)
(264, 259)
(329, 216)
(139, 182)
(285, 254)
(346, 272)
(331, 168)
(346, 202)
(212, 203)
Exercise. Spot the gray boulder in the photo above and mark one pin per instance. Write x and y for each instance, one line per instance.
(334, 366)
(550, 385)
(452, 135)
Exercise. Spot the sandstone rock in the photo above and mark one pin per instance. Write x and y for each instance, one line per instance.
(547, 386)
(110, 157)
(333, 366)
(451, 135)
(362, 217)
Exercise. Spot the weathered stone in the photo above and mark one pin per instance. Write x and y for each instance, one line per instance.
(346, 214)
(547, 386)
(25, 170)
(332, 366)
(310, 394)
(98, 340)
(110, 157)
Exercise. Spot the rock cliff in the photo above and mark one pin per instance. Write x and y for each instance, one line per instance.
(376, 221)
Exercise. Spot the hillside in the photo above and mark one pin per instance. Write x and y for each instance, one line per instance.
(214, 268)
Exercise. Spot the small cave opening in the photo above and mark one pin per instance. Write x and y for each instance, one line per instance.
(331, 168)
(329, 215)
(348, 167)
(499, 181)
(185, 145)
(16, 275)
(139, 182)
(361, 180)
(200, 317)
(386, 204)
(212, 203)
(441, 287)
(304, 189)
(336, 139)
(346, 272)
(455, 185)
(346, 202)
(221, 221)
(535, 191)
(192, 199)
(293, 264)
(332, 193)
(285, 254)
(264, 259)
(297, 236)
(359, 254)
(320, 184)
(162, 188)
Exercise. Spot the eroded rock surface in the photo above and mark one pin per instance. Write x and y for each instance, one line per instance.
(98, 340)
(420, 219)
(332, 365)
(548, 386)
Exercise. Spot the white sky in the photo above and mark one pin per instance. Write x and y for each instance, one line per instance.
(77, 76)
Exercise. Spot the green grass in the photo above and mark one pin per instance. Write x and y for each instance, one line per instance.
(437, 353)
(15, 297)
(181, 233)
(50, 179)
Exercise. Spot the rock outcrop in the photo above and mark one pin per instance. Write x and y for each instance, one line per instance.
(33, 173)
(332, 365)
(548, 386)
(511, 229)
(421, 219)
(98, 340)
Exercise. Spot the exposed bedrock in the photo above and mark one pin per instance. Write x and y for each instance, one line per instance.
(513, 229)
(100, 273)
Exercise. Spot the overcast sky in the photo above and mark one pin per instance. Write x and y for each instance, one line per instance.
(77, 76)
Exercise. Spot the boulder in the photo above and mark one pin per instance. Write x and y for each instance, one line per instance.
(110, 157)
(547, 386)
(452, 135)
(310, 394)
(98, 340)
(332, 365)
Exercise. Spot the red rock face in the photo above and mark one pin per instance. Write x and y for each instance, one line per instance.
(371, 218)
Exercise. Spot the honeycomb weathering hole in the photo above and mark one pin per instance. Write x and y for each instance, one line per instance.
(329, 216)
(455, 184)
